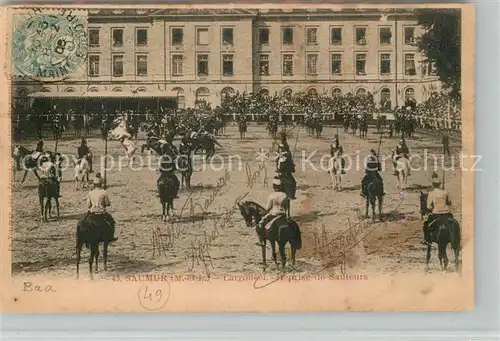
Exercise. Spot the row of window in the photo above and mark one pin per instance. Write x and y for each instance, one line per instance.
(227, 36)
(202, 64)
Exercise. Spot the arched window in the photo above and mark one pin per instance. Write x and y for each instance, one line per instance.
(312, 92)
(361, 92)
(287, 93)
(70, 90)
(264, 92)
(141, 89)
(385, 98)
(45, 90)
(202, 94)
(410, 94)
(93, 90)
(181, 100)
(117, 90)
(226, 93)
(336, 92)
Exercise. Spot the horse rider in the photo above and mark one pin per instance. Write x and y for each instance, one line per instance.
(97, 201)
(401, 151)
(438, 202)
(167, 168)
(83, 151)
(38, 150)
(277, 202)
(285, 168)
(372, 169)
(49, 172)
(337, 147)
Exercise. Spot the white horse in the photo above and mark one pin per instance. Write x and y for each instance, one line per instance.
(335, 170)
(402, 169)
(82, 170)
(121, 134)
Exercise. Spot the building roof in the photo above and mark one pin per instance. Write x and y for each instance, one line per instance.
(249, 12)
(105, 94)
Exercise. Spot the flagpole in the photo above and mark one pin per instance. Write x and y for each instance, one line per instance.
(105, 178)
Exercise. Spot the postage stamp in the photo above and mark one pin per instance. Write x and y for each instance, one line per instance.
(49, 47)
(219, 159)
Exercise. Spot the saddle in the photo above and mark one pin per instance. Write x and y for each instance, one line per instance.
(442, 219)
(280, 218)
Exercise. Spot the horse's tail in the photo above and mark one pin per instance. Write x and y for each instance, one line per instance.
(296, 241)
(455, 234)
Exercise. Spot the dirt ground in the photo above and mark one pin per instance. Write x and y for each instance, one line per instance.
(208, 235)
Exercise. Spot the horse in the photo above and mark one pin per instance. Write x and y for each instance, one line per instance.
(120, 132)
(82, 170)
(335, 170)
(242, 127)
(363, 129)
(354, 126)
(154, 143)
(206, 143)
(282, 231)
(48, 188)
(375, 191)
(91, 233)
(185, 165)
(318, 127)
(346, 125)
(446, 230)
(27, 160)
(167, 192)
(272, 127)
(402, 169)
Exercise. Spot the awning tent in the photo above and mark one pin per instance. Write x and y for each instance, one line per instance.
(110, 94)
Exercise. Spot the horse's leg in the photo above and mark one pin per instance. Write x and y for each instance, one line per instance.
(163, 205)
(373, 202)
(24, 176)
(294, 251)
(367, 204)
(273, 249)
(57, 206)
(380, 202)
(440, 253)
(42, 208)
(445, 256)
(79, 245)
(428, 257)
(105, 255)
(93, 248)
(282, 254)
(97, 259)
(264, 263)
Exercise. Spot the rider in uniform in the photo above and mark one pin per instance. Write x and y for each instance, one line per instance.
(283, 144)
(401, 150)
(438, 202)
(167, 168)
(372, 169)
(97, 201)
(84, 150)
(285, 167)
(277, 203)
(337, 147)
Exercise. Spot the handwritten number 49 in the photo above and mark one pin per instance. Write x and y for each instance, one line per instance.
(149, 295)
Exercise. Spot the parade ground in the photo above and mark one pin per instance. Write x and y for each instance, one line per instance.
(207, 235)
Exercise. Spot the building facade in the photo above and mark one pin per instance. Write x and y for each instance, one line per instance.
(209, 54)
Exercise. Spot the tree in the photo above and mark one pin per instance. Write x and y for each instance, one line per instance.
(441, 44)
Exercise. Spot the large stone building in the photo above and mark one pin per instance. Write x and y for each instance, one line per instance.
(208, 54)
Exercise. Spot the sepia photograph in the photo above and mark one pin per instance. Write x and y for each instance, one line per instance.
(238, 158)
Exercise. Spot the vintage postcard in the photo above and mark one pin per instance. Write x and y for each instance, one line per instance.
(237, 158)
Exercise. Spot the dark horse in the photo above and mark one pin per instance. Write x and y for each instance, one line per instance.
(48, 189)
(206, 143)
(363, 129)
(185, 165)
(25, 161)
(282, 231)
(242, 127)
(375, 191)
(159, 146)
(92, 232)
(168, 193)
(444, 230)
